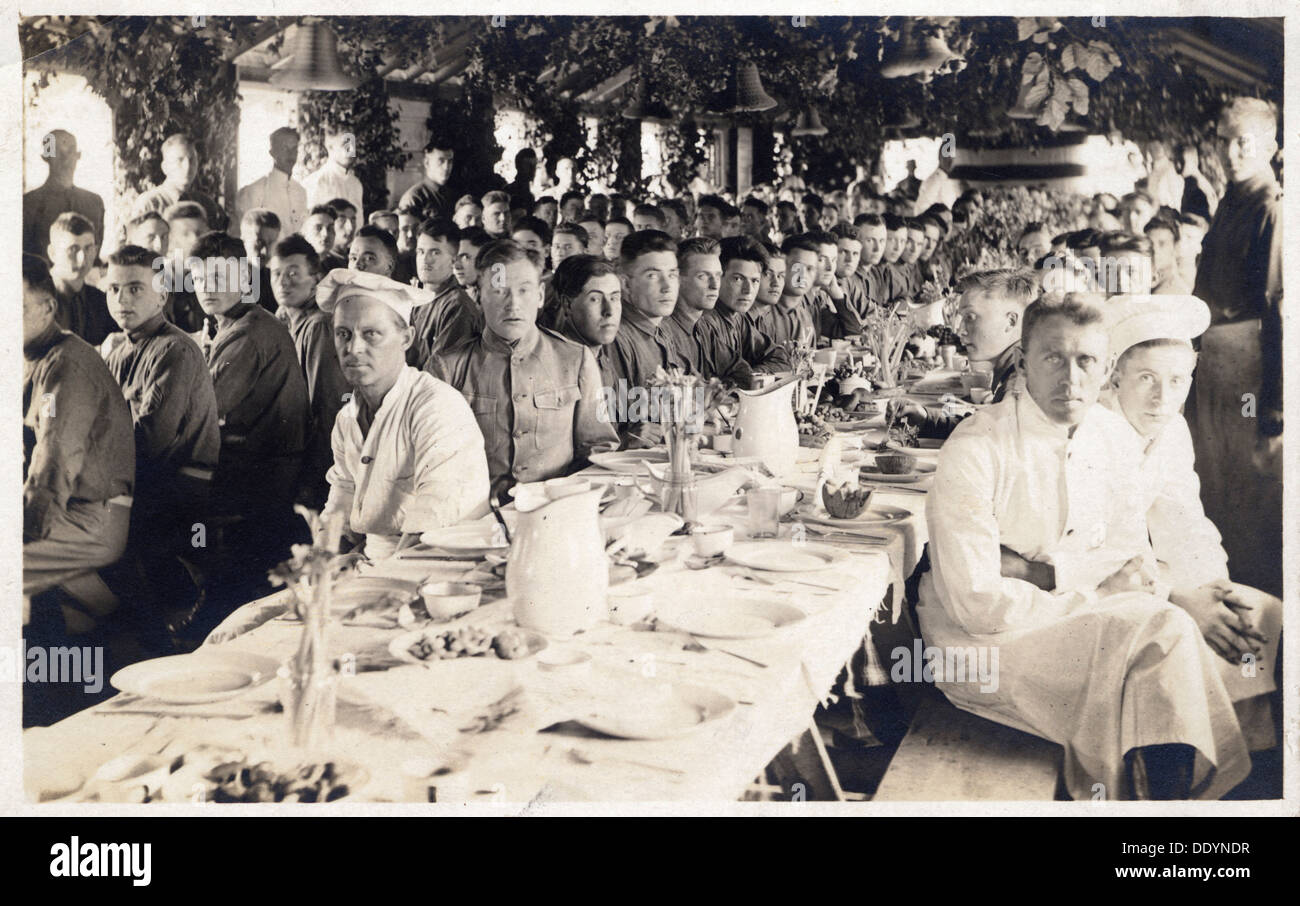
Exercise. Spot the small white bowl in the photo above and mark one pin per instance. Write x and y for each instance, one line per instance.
(570, 662)
(712, 540)
(445, 600)
(722, 443)
(628, 606)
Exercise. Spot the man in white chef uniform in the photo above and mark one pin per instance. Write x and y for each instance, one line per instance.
(1151, 337)
(408, 454)
(1101, 663)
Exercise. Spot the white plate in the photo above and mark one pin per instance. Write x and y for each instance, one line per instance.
(684, 710)
(783, 556)
(874, 514)
(471, 538)
(628, 462)
(189, 679)
(750, 619)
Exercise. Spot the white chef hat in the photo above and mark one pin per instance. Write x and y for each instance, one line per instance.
(1137, 319)
(344, 283)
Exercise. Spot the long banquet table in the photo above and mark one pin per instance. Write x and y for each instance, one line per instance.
(390, 713)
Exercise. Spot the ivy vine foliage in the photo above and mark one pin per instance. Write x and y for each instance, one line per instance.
(159, 76)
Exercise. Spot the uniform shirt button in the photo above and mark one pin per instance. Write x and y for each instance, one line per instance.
(1069, 531)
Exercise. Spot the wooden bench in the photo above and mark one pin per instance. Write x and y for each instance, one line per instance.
(951, 755)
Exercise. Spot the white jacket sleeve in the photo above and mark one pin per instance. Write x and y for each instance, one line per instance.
(1182, 536)
(450, 482)
(965, 547)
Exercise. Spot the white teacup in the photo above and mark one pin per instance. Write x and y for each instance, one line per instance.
(712, 540)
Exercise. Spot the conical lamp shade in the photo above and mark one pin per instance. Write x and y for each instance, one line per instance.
(750, 96)
(809, 123)
(312, 61)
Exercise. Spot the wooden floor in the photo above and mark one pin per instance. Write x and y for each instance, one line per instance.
(951, 755)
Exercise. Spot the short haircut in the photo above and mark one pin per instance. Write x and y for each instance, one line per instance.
(133, 256)
(409, 211)
(440, 228)
(574, 272)
(589, 216)
(799, 243)
(545, 199)
(439, 143)
(1086, 238)
(621, 221)
(843, 230)
(505, 251)
(1017, 284)
(757, 204)
(466, 201)
(324, 209)
(822, 237)
(772, 250)
(525, 154)
(1080, 309)
(285, 130)
(730, 212)
(698, 245)
(1161, 222)
(261, 218)
(1255, 114)
(475, 236)
(146, 217)
(1133, 198)
(572, 195)
(216, 244)
(893, 222)
(1032, 227)
(533, 225)
(743, 248)
(177, 140)
(371, 231)
(73, 224)
(342, 205)
(914, 223)
(676, 205)
(717, 202)
(1188, 219)
(36, 274)
(1120, 243)
(186, 210)
(649, 210)
(296, 244)
(871, 220)
(645, 242)
(496, 196)
(569, 228)
(815, 201)
(376, 215)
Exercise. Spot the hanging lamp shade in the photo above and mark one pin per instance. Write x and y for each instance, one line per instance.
(809, 122)
(910, 57)
(645, 108)
(750, 96)
(311, 61)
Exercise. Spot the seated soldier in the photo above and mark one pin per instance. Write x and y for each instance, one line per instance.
(990, 315)
(374, 251)
(259, 230)
(318, 229)
(1126, 265)
(789, 320)
(295, 271)
(616, 230)
(873, 235)
(78, 451)
(472, 241)
(821, 301)
(700, 270)
(592, 298)
(771, 285)
(649, 274)
(736, 345)
(261, 401)
(149, 231)
(451, 317)
(595, 230)
(468, 213)
(165, 379)
(186, 222)
(345, 225)
(408, 455)
(1102, 663)
(536, 396)
(847, 291)
(81, 308)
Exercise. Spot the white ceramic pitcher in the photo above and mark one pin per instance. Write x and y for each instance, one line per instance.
(765, 427)
(557, 574)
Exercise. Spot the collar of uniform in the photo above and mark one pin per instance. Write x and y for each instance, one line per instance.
(523, 347)
(401, 387)
(150, 328)
(295, 316)
(1004, 363)
(234, 313)
(44, 343)
(277, 177)
(1034, 421)
(685, 323)
(632, 317)
(447, 285)
(1260, 184)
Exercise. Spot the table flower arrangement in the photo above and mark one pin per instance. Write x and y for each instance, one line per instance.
(685, 403)
(885, 333)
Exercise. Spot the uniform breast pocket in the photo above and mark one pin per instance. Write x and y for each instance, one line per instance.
(481, 404)
(555, 415)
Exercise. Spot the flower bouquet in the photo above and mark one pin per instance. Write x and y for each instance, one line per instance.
(310, 677)
(885, 333)
(685, 402)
